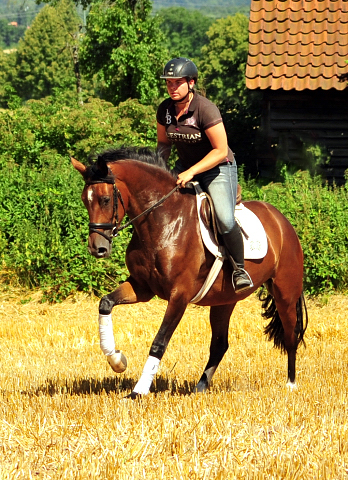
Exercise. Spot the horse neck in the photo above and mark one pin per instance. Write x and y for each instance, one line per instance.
(141, 185)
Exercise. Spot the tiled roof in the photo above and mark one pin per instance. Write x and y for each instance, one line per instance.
(298, 44)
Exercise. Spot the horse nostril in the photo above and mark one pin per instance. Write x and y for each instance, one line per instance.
(102, 251)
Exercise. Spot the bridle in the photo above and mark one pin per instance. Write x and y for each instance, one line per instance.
(94, 227)
(115, 226)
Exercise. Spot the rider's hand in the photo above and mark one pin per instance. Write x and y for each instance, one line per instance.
(184, 177)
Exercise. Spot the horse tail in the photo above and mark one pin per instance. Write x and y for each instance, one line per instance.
(274, 330)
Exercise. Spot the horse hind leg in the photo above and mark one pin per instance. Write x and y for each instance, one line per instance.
(287, 326)
(219, 322)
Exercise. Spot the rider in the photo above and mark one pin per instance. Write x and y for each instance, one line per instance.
(195, 126)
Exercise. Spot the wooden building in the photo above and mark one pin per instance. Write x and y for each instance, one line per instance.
(298, 53)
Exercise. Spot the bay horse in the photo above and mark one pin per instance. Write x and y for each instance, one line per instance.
(166, 257)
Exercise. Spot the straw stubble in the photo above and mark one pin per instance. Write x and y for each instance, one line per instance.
(63, 412)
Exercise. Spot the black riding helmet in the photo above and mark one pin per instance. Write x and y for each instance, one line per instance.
(180, 67)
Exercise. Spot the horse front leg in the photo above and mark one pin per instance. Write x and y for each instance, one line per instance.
(129, 292)
(174, 312)
(219, 322)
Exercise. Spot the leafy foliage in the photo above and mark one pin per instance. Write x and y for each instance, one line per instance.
(224, 59)
(43, 223)
(10, 34)
(43, 128)
(15, 17)
(123, 50)
(7, 63)
(44, 231)
(214, 8)
(185, 31)
(44, 60)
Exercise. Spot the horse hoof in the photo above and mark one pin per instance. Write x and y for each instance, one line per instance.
(133, 396)
(117, 361)
(291, 386)
(200, 388)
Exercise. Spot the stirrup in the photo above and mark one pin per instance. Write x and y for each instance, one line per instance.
(246, 283)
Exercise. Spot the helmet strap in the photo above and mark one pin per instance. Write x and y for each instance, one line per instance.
(183, 99)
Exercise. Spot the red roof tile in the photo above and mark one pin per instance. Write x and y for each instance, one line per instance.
(297, 44)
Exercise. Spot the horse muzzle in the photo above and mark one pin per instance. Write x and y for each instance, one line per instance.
(99, 245)
(100, 239)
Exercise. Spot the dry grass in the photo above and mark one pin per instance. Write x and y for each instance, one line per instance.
(62, 412)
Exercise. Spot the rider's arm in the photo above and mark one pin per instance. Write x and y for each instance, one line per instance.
(218, 139)
(164, 146)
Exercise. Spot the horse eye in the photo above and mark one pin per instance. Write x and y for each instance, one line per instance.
(104, 201)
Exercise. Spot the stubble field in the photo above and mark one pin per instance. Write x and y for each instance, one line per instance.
(63, 414)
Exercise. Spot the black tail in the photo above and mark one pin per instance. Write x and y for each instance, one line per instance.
(274, 330)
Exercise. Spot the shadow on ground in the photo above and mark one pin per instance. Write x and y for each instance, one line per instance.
(124, 384)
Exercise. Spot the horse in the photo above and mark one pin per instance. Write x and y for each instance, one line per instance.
(167, 257)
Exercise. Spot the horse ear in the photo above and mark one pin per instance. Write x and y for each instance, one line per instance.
(102, 166)
(80, 167)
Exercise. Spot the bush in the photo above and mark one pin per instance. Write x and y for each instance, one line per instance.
(43, 128)
(44, 225)
(44, 231)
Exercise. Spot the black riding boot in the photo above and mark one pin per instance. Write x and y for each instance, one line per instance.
(235, 251)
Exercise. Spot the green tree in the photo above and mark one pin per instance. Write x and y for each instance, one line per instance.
(185, 31)
(10, 34)
(44, 58)
(214, 8)
(123, 50)
(7, 61)
(224, 59)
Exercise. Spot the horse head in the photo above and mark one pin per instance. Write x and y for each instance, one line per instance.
(101, 198)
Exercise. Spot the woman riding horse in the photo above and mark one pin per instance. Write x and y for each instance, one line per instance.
(194, 125)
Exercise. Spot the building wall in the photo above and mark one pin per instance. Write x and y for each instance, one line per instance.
(304, 127)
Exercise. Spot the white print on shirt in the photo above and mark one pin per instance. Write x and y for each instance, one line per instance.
(168, 117)
(186, 137)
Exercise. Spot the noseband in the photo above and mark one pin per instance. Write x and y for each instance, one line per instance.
(115, 227)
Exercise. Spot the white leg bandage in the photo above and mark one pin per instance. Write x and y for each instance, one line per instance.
(150, 370)
(116, 359)
(106, 334)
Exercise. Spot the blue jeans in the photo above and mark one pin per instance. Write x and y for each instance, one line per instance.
(220, 183)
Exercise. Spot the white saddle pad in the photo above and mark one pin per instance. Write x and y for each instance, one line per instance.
(254, 235)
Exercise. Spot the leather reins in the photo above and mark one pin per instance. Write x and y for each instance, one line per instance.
(114, 226)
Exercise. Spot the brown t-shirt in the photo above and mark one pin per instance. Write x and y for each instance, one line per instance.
(188, 133)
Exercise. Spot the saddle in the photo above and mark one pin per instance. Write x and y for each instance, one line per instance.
(254, 235)
(207, 211)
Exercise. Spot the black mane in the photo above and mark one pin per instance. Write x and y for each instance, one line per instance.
(98, 170)
(142, 154)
